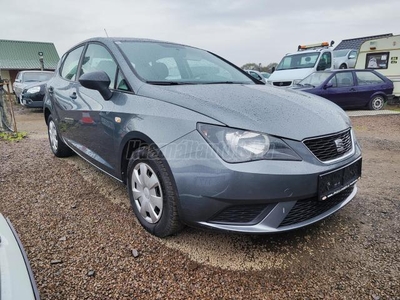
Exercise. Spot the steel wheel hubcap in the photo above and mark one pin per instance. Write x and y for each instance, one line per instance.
(53, 136)
(378, 103)
(147, 193)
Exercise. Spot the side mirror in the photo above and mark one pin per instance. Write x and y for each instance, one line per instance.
(98, 81)
(352, 56)
(273, 70)
(328, 85)
(17, 80)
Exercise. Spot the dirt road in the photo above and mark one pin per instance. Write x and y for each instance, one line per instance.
(66, 210)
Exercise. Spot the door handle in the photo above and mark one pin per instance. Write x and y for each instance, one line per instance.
(73, 96)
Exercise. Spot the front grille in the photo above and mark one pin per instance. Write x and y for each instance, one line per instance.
(330, 147)
(310, 208)
(239, 214)
(282, 83)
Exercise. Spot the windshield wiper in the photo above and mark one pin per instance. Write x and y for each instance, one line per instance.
(224, 82)
(169, 82)
(307, 84)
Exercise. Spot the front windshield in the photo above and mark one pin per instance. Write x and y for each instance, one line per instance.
(340, 53)
(36, 76)
(315, 79)
(164, 63)
(298, 61)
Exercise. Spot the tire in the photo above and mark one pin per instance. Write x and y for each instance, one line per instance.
(343, 66)
(57, 146)
(152, 193)
(377, 102)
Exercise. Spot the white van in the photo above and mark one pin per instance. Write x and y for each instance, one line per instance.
(382, 55)
(296, 66)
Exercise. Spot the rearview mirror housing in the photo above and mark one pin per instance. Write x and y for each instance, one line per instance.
(98, 81)
(328, 85)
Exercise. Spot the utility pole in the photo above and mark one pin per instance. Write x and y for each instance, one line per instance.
(41, 60)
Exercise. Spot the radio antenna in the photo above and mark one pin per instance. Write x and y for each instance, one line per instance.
(106, 32)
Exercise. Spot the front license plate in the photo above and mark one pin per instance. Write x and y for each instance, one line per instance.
(334, 182)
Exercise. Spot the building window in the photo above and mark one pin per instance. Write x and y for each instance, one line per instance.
(377, 60)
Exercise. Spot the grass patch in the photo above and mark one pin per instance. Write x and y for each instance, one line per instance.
(393, 107)
(12, 136)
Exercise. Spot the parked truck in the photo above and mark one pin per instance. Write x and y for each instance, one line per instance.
(382, 55)
(296, 66)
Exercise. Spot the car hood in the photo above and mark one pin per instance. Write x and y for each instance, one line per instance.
(289, 75)
(279, 112)
(36, 83)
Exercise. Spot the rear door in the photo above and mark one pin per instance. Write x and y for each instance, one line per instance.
(62, 91)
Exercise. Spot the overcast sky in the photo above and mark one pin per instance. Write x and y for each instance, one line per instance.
(242, 31)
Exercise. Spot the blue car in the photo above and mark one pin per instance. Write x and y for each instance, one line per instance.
(349, 88)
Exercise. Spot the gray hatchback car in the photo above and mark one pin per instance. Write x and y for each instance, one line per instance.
(197, 140)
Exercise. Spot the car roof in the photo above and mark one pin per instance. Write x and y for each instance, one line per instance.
(112, 40)
(345, 70)
(36, 71)
(345, 50)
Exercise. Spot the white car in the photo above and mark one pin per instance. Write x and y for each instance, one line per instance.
(16, 277)
(257, 75)
(345, 58)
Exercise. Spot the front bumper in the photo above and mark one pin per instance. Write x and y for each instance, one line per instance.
(32, 102)
(253, 197)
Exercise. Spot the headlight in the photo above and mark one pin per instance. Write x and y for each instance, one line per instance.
(33, 90)
(235, 145)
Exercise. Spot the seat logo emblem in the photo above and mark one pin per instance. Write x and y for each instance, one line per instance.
(339, 145)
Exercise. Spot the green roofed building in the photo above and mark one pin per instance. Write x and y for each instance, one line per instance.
(16, 56)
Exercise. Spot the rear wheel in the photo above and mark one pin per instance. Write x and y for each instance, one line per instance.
(343, 66)
(152, 193)
(59, 148)
(376, 102)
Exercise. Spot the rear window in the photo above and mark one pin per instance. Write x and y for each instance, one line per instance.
(366, 78)
(36, 76)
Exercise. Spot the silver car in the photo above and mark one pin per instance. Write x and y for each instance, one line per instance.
(257, 75)
(345, 58)
(25, 78)
(198, 141)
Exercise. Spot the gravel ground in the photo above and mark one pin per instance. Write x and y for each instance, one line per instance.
(84, 242)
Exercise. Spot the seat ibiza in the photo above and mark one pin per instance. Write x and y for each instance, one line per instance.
(197, 140)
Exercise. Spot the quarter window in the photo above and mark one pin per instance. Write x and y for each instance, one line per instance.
(121, 82)
(97, 58)
(366, 78)
(70, 66)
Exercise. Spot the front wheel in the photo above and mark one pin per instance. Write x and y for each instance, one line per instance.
(343, 66)
(376, 103)
(152, 193)
(59, 148)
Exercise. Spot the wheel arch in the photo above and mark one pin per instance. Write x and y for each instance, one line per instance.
(131, 142)
(379, 93)
(46, 113)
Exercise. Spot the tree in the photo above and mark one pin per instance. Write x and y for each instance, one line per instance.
(259, 67)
